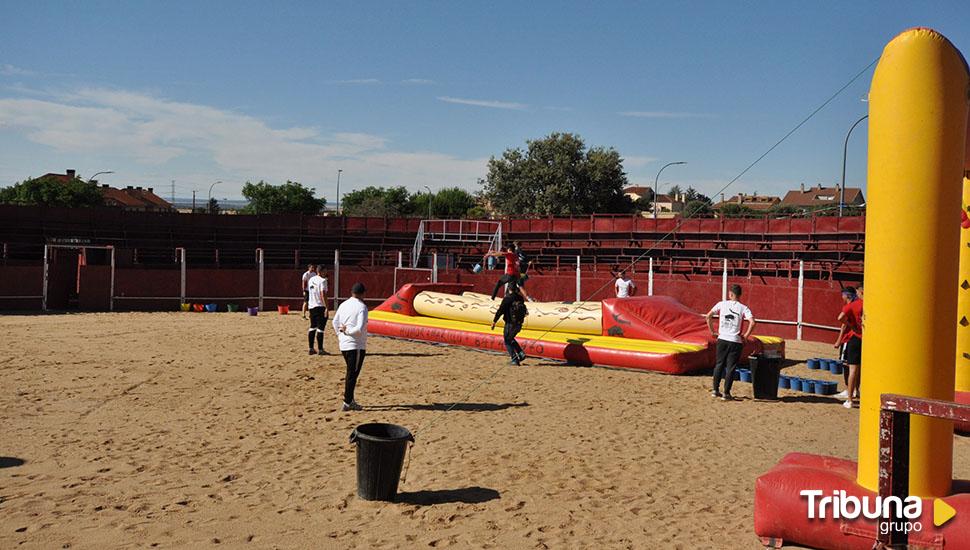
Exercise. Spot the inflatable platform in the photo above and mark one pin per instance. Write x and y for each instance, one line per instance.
(652, 333)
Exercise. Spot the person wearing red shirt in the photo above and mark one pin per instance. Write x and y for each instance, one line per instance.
(511, 274)
(850, 340)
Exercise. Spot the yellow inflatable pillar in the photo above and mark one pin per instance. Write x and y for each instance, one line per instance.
(963, 300)
(917, 130)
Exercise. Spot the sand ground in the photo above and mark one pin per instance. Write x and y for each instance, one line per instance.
(197, 430)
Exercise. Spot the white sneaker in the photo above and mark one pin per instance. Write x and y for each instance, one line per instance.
(847, 404)
(844, 394)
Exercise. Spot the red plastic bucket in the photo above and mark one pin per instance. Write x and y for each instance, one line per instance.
(283, 309)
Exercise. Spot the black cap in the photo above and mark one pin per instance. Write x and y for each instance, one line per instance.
(358, 288)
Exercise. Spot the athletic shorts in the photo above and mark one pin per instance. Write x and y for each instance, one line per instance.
(318, 317)
(852, 351)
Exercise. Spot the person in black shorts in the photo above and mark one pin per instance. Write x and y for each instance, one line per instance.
(850, 340)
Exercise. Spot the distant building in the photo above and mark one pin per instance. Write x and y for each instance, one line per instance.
(636, 192)
(129, 198)
(667, 206)
(821, 197)
(759, 203)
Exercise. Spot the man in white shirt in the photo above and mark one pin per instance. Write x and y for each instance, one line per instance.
(731, 315)
(317, 302)
(624, 285)
(311, 270)
(350, 322)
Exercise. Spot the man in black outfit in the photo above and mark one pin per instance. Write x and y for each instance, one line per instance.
(512, 311)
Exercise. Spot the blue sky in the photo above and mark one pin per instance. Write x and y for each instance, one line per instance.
(422, 93)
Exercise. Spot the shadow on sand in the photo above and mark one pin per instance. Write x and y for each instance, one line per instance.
(466, 407)
(10, 462)
(469, 495)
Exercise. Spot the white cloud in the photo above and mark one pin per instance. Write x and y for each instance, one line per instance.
(418, 81)
(10, 70)
(485, 103)
(357, 81)
(146, 136)
(663, 114)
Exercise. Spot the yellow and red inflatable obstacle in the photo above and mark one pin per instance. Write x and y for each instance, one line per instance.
(651, 333)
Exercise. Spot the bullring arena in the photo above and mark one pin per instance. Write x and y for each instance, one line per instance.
(158, 392)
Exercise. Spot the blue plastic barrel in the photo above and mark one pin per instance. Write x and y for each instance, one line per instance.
(814, 363)
(784, 382)
(795, 383)
(212, 308)
(745, 375)
(835, 367)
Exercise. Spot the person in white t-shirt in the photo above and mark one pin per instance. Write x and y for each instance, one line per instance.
(311, 270)
(730, 342)
(350, 322)
(624, 286)
(317, 302)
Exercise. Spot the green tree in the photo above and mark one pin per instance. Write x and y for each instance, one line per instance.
(213, 206)
(697, 208)
(556, 176)
(477, 213)
(674, 191)
(693, 195)
(785, 210)
(644, 203)
(289, 198)
(452, 202)
(735, 210)
(53, 191)
(377, 202)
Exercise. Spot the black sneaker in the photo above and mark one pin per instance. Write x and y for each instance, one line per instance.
(521, 356)
(312, 351)
(727, 397)
(715, 394)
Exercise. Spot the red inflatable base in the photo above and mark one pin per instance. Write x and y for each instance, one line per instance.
(781, 512)
(963, 398)
(575, 354)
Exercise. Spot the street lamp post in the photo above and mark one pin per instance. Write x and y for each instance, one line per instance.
(338, 191)
(429, 201)
(656, 180)
(208, 205)
(98, 174)
(845, 150)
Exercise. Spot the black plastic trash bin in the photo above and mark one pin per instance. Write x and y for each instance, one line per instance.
(764, 376)
(380, 455)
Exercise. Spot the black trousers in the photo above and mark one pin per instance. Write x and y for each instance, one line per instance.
(504, 279)
(511, 346)
(355, 362)
(728, 354)
(318, 322)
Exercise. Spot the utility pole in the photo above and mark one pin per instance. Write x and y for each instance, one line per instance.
(193, 201)
(173, 192)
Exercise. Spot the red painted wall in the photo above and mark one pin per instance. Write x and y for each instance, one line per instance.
(768, 297)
